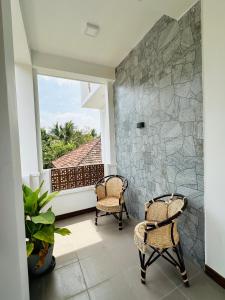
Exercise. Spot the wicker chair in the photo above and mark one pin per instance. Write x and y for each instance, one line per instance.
(110, 191)
(159, 233)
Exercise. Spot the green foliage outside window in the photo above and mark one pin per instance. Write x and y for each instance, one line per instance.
(61, 139)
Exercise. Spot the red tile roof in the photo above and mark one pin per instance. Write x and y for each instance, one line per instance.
(86, 154)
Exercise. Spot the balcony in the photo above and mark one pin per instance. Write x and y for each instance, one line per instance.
(159, 71)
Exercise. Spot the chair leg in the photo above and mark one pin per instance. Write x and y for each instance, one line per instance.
(143, 267)
(96, 216)
(126, 211)
(183, 272)
(121, 219)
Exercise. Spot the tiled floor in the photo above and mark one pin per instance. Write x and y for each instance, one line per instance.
(101, 263)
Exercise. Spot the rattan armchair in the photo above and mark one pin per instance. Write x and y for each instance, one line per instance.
(159, 233)
(110, 198)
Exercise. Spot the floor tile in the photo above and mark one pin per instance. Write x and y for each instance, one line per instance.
(157, 284)
(173, 274)
(81, 296)
(125, 253)
(85, 234)
(203, 287)
(64, 282)
(64, 249)
(106, 261)
(175, 295)
(91, 250)
(66, 259)
(112, 289)
(36, 288)
(76, 219)
(98, 268)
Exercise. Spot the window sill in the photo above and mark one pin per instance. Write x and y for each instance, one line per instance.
(76, 190)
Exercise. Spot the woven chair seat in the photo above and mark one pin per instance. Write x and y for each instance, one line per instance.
(159, 238)
(109, 204)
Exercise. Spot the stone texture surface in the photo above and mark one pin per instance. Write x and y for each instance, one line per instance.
(159, 83)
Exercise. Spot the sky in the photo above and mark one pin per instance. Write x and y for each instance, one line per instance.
(60, 101)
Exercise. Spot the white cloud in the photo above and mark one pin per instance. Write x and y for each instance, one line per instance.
(61, 103)
(80, 120)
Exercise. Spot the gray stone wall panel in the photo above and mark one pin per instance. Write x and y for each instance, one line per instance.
(160, 83)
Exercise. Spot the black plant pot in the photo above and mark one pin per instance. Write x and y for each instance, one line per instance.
(47, 267)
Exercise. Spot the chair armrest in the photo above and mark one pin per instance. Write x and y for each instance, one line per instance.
(152, 226)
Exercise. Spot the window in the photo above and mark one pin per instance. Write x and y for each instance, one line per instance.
(70, 133)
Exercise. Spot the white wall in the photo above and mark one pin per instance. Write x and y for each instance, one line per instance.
(13, 262)
(102, 99)
(74, 200)
(69, 200)
(26, 119)
(95, 98)
(213, 33)
(71, 68)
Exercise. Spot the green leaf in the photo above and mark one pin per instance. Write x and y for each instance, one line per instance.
(38, 190)
(46, 234)
(41, 184)
(26, 190)
(30, 199)
(30, 248)
(62, 231)
(47, 199)
(31, 227)
(30, 204)
(44, 218)
(43, 196)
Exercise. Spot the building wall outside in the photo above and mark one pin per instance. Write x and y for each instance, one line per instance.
(160, 83)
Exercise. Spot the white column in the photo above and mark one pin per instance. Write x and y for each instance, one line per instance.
(34, 181)
(109, 147)
(213, 31)
(13, 268)
(26, 119)
(46, 176)
(37, 119)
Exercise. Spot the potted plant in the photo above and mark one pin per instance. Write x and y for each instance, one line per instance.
(40, 230)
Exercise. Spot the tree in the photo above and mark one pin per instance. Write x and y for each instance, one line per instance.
(56, 131)
(64, 133)
(68, 131)
(94, 133)
(62, 139)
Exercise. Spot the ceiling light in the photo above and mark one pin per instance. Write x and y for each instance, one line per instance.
(91, 30)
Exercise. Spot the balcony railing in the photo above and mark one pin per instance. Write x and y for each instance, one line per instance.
(75, 177)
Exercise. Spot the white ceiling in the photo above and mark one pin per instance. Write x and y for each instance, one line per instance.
(56, 26)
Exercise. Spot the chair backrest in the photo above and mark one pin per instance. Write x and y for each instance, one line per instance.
(175, 206)
(114, 187)
(165, 207)
(111, 186)
(157, 212)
